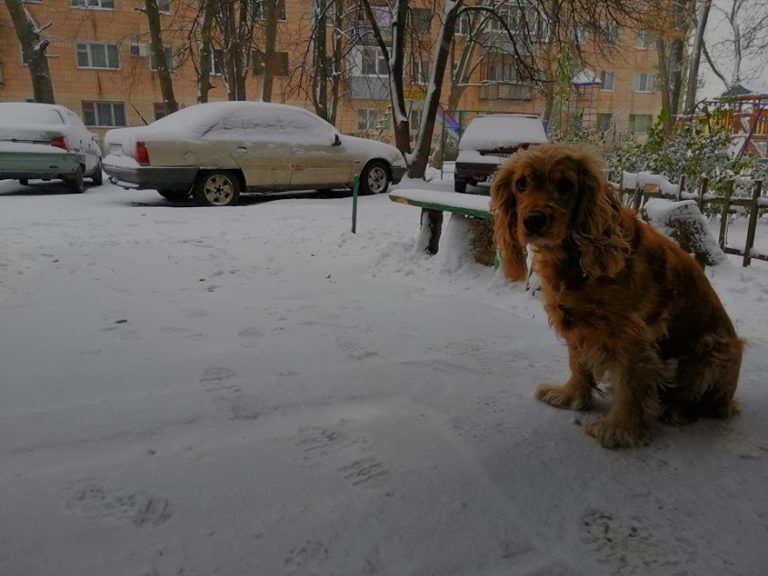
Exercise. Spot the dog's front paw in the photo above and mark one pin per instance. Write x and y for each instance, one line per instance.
(613, 435)
(564, 397)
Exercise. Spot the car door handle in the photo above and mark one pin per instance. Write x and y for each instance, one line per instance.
(242, 149)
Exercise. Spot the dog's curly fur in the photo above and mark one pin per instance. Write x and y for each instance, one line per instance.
(630, 304)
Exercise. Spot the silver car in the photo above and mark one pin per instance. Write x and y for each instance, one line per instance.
(47, 141)
(217, 150)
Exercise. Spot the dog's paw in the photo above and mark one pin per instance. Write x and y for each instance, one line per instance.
(612, 435)
(563, 397)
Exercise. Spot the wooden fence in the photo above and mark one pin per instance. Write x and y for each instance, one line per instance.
(635, 191)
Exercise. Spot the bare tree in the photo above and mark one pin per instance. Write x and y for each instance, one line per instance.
(159, 56)
(744, 25)
(33, 47)
(701, 16)
(673, 19)
(205, 66)
(270, 39)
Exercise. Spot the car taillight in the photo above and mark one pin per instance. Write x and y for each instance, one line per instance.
(142, 154)
(59, 142)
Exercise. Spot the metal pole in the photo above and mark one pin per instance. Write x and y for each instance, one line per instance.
(355, 188)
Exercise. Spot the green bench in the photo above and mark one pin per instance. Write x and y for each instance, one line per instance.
(469, 210)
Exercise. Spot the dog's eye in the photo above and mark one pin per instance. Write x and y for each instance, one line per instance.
(521, 184)
(564, 186)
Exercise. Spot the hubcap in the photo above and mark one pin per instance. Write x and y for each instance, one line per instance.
(219, 190)
(377, 179)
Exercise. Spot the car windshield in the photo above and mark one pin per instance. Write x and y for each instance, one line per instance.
(24, 114)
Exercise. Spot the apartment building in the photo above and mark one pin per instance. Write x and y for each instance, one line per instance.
(102, 68)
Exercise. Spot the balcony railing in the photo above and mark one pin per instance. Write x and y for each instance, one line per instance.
(506, 92)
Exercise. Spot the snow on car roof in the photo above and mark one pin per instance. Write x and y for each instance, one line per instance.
(201, 117)
(502, 131)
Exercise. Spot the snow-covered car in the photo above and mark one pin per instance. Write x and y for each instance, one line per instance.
(217, 150)
(489, 140)
(47, 141)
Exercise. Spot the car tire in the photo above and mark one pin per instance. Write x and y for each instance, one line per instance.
(459, 185)
(75, 182)
(98, 175)
(375, 178)
(24, 181)
(217, 188)
(174, 195)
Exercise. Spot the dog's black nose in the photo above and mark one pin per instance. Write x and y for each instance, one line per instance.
(535, 222)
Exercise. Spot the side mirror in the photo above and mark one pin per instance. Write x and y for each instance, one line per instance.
(336, 140)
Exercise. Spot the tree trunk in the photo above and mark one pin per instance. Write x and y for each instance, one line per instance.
(395, 59)
(320, 83)
(158, 53)
(204, 73)
(270, 16)
(418, 164)
(693, 69)
(33, 48)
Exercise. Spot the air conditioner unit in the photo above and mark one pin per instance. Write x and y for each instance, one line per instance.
(139, 50)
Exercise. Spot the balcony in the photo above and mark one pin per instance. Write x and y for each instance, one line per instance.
(506, 92)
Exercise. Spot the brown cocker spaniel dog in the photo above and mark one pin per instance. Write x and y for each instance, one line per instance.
(631, 305)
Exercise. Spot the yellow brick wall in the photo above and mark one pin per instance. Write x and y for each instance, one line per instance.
(136, 86)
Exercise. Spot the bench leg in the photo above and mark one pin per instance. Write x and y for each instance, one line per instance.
(431, 228)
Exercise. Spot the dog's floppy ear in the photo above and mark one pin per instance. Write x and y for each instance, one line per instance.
(504, 211)
(596, 221)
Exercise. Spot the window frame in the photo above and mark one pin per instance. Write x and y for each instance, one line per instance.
(368, 113)
(257, 10)
(88, 5)
(633, 123)
(89, 51)
(96, 116)
(648, 87)
(170, 57)
(603, 84)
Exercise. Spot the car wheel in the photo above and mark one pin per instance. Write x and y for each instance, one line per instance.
(374, 179)
(174, 195)
(75, 182)
(23, 181)
(217, 189)
(459, 185)
(98, 176)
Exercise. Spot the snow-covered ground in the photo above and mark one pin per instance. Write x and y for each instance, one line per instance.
(257, 391)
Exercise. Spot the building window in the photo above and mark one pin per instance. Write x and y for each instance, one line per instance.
(259, 9)
(279, 63)
(372, 62)
(645, 40)
(604, 121)
(611, 34)
(105, 114)
(217, 62)
(367, 118)
(103, 4)
(606, 80)
(417, 72)
(579, 35)
(98, 55)
(421, 19)
(159, 110)
(462, 25)
(164, 6)
(500, 70)
(644, 82)
(169, 59)
(640, 123)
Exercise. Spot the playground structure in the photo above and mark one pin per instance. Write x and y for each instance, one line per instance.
(744, 115)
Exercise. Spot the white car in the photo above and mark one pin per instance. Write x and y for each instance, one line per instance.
(217, 150)
(47, 141)
(490, 140)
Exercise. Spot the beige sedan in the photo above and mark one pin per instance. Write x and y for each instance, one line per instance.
(217, 150)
